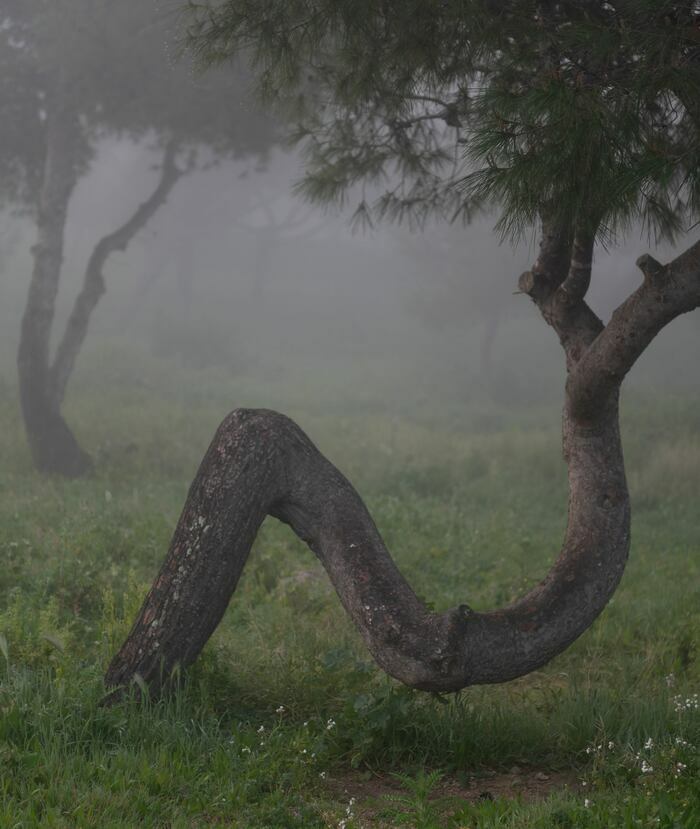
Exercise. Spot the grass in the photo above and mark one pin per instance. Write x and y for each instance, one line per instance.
(285, 719)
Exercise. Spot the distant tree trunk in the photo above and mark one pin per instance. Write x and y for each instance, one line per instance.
(265, 242)
(8, 241)
(185, 279)
(53, 446)
(42, 384)
(491, 324)
(260, 463)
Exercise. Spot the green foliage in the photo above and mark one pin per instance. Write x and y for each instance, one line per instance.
(601, 120)
(33, 635)
(416, 810)
(586, 109)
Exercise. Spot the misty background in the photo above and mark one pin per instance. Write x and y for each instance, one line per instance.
(241, 292)
(237, 275)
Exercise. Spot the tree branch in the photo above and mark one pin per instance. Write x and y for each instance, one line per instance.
(558, 283)
(93, 284)
(578, 280)
(666, 293)
(449, 116)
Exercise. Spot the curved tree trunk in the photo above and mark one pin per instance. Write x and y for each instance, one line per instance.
(260, 463)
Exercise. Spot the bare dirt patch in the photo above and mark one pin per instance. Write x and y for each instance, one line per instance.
(374, 792)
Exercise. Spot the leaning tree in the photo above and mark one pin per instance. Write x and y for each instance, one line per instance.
(580, 118)
(72, 74)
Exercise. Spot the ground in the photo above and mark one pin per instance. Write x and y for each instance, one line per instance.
(285, 721)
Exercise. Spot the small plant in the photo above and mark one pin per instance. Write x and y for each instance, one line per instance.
(416, 808)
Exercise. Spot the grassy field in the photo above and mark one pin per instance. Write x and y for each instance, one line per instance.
(285, 721)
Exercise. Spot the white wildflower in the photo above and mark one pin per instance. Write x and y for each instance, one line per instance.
(691, 703)
(646, 768)
(649, 744)
(348, 808)
(587, 803)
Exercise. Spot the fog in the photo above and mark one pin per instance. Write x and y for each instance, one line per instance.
(285, 300)
(236, 272)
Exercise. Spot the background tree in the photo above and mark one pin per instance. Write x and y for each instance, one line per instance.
(449, 297)
(270, 223)
(74, 73)
(581, 118)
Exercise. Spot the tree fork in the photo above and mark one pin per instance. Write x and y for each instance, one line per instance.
(94, 285)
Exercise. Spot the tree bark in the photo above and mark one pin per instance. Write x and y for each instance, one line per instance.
(260, 463)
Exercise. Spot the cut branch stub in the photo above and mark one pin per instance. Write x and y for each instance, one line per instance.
(527, 283)
(650, 267)
(261, 463)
